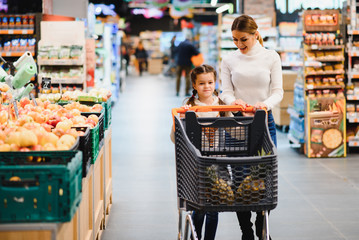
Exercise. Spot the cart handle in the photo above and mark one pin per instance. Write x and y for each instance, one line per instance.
(218, 108)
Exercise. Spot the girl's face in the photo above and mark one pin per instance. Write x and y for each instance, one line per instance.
(205, 85)
(244, 41)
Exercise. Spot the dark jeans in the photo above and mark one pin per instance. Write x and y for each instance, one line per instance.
(211, 224)
(244, 218)
(179, 71)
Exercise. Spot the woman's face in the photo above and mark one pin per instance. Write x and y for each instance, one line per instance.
(244, 41)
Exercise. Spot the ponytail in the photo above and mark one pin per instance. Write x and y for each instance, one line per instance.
(260, 39)
(190, 100)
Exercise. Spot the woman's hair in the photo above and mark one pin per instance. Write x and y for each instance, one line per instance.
(204, 68)
(245, 23)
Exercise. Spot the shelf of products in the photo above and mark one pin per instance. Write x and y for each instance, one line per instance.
(325, 125)
(352, 89)
(62, 58)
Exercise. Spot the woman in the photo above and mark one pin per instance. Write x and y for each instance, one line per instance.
(252, 75)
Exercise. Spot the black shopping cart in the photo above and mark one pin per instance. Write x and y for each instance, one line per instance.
(224, 164)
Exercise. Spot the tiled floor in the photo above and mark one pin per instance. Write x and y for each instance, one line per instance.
(318, 198)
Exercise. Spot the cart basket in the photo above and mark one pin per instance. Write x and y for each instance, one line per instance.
(225, 164)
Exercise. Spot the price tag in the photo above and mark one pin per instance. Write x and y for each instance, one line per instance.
(15, 108)
(33, 98)
(314, 46)
(310, 86)
(46, 83)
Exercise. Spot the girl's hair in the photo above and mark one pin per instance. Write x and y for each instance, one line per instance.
(245, 23)
(204, 68)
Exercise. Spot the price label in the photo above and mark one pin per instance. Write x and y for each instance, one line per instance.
(314, 46)
(46, 83)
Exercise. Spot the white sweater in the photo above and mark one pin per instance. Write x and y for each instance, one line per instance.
(252, 77)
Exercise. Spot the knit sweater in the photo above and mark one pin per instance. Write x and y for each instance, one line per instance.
(252, 77)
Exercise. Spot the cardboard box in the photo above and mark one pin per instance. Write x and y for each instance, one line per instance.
(289, 78)
(287, 100)
(155, 66)
(281, 116)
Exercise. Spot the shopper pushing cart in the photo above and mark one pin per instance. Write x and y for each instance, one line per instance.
(226, 164)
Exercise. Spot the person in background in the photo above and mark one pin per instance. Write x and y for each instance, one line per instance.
(204, 94)
(125, 57)
(251, 75)
(141, 57)
(185, 51)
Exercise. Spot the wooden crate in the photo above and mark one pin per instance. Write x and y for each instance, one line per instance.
(98, 193)
(108, 175)
(281, 116)
(43, 231)
(86, 207)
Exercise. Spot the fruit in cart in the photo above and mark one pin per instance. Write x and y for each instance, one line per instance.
(218, 190)
(250, 190)
(4, 87)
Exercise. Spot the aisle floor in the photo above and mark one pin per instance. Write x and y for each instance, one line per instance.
(318, 198)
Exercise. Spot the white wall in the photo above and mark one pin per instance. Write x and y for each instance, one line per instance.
(70, 8)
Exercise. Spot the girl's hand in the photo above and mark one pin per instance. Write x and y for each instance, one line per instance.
(259, 105)
(240, 102)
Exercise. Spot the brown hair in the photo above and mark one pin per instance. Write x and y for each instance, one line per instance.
(204, 68)
(245, 23)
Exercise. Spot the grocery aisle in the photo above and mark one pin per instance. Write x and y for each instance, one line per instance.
(318, 198)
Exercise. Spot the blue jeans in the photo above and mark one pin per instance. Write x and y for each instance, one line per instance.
(211, 224)
(244, 218)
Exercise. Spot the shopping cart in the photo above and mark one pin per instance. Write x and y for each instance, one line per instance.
(224, 164)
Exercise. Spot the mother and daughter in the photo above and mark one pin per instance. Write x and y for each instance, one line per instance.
(251, 75)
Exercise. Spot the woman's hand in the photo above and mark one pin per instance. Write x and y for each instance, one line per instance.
(260, 105)
(240, 102)
(185, 107)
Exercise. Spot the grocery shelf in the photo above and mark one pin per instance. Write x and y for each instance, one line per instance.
(14, 54)
(325, 73)
(60, 62)
(311, 86)
(320, 47)
(352, 97)
(353, 143)
(17, 31)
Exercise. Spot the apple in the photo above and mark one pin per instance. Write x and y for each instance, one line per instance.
(58, 132)
(93, 117)
(53, 120)
(96, 108)
(4, 116)
(48, 147)
(13, 138)
(36, 147)
(24, 119)
(24, 149)
(64, 125)
(14, 147)
(5, 147)
(24, 101)
(47, 127)
(72, 132)
(67, 140)
(91, 122)
(27, 138)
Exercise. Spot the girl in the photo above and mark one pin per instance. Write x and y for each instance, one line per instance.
(203, 82)
(252, 75)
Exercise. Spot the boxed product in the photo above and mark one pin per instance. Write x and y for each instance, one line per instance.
(289, 78)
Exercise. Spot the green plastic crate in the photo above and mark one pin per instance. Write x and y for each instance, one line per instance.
(44, 192)
(108, 113)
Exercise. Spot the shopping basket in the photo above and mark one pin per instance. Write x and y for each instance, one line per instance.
(225, 164)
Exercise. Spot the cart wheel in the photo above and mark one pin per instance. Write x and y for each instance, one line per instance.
(265, 232)
(183, 234)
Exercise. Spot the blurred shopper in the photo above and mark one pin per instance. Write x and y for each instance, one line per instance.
(185, 51)
(125, 57)
(141, 57)
(251, 75)
(171, 71)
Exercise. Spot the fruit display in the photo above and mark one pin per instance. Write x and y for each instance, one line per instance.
(45, 127)
(218, 190)
(5, 93)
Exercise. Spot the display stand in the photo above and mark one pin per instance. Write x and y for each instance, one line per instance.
(325, 125)
(89, 220)
(57, 35)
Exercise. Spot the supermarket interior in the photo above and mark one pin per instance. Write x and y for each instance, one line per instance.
(93, 91)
